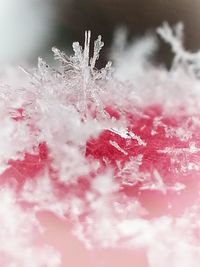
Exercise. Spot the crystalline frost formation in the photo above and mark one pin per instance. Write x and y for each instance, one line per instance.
(58, 115)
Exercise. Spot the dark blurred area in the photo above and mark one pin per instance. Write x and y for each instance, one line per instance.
(29, 28)
(139, 16)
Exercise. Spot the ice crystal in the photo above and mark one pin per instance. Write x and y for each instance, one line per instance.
(130, 171)
(175, 38)
(84, 73)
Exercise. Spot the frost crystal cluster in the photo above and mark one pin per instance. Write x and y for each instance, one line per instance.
(116, 153)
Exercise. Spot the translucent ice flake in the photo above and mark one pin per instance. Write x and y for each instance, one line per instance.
(84, 75)
(129, 172)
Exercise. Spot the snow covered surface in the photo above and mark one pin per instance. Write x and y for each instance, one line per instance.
(113, 151)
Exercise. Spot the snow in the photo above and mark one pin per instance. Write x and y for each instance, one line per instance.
(92, 160)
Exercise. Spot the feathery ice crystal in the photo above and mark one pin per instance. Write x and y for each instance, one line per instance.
(117, 156)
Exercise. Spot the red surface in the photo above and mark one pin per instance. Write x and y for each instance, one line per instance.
(101, 150)
(156, 202)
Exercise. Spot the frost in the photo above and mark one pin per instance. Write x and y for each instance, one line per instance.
(125, 133)
(17, 227)
(138, 138)
(154, 130)
(130, 171)
(175, 38)
(13, 139)
(42, 195)
(104, 184)
(158, 184)
(70, 164)
(114, 144)
(84, 73)
(55, 107)
(137, 54)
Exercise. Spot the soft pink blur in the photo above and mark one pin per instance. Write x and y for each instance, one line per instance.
(75, 254)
